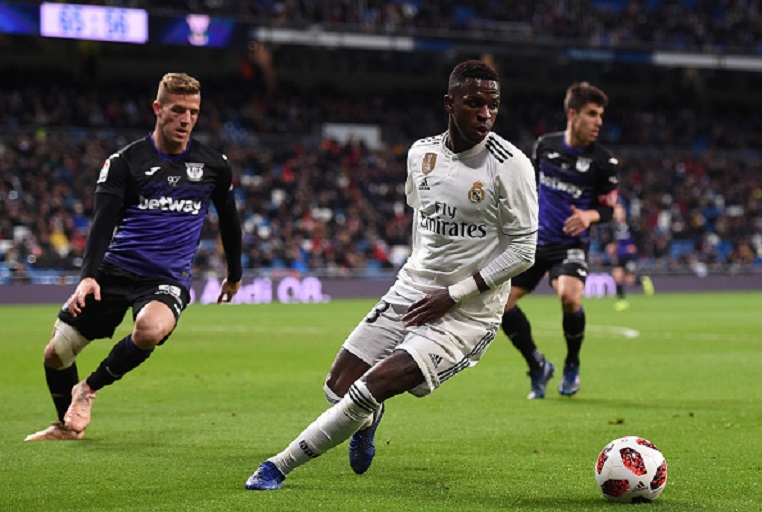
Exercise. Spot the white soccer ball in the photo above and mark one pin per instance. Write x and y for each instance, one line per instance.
(631, 470)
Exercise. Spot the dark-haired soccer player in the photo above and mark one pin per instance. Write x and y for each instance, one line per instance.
(577, 186)
(474, 204)
(151, 199)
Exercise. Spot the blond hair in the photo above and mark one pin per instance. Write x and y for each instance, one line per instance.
(177, 83)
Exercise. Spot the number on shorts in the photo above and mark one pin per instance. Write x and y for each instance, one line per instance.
(575, 256)
(377, 310)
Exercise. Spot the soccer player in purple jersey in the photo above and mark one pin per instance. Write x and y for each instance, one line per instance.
(151, 199)
(577, 186)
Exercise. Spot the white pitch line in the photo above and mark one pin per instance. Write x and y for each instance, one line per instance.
(615, 331)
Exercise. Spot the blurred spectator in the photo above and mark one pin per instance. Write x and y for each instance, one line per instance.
(691, 177)
(337, 208)
(655, 24)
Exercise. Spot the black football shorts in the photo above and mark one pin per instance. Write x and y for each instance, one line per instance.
(121, 290)
(556, 260)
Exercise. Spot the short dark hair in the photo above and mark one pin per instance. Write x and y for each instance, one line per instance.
(581, 93)
(472, 69)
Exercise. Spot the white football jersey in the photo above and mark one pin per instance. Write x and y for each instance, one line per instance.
(466, 205)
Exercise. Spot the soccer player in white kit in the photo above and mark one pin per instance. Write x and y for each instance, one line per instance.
(475, 226)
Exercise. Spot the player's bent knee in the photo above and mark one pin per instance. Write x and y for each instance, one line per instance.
(147, 339)
(330, 396)
(346, 369)
(337, 383)
(570, 300)
(397, 374)
(152, 326)
(66, 344)
(50, 357)
(146, 335)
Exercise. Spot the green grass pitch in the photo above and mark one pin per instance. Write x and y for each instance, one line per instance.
(235, 384)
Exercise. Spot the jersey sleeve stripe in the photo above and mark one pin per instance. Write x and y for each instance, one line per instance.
(429, 141)
(500, 152)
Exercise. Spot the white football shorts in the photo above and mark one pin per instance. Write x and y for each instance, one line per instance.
(441, 349)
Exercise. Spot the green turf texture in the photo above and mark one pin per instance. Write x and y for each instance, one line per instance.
(235, 384)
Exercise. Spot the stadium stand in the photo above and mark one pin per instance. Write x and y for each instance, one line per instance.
(654, 24)
(691, 154)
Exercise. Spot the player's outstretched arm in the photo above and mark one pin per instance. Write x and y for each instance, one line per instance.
(231, 236)
(106, 210)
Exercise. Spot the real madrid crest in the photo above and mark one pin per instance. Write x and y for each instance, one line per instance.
(583, 164)
(476, 194)
(195, 171)
(429, 161)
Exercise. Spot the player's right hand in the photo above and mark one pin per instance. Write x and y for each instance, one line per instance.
(85, 287)
(428, 309)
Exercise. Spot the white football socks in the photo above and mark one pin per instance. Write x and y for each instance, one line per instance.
(332, 428)
(333, 399)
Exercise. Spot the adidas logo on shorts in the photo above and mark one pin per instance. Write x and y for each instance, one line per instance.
(436, 359)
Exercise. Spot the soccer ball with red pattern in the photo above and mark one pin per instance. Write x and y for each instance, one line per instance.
(631, 470)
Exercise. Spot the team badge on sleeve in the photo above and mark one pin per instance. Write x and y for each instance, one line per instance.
(609, 199)
(103, 176)
(476, 194)
(429, 161)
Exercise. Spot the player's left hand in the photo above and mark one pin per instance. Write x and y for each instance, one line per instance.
(578, 221)
(229, 289)
(428, 309)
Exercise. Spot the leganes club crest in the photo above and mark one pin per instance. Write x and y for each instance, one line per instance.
(195, 171)
(583, 164)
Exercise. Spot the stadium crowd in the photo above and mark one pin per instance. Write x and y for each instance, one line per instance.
(690, 177)
(309, 203)
(698, 25)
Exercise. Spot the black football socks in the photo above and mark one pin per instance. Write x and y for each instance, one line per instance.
(574, 332)
(60, 383)
(124, 357)
(516, 326)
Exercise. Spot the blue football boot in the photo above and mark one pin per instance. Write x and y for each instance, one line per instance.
(362, 447)
(570, 382)
(267, 477)
(539, 379)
